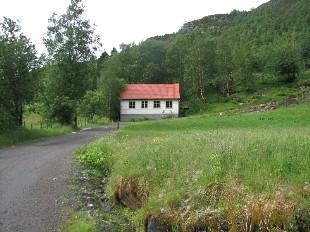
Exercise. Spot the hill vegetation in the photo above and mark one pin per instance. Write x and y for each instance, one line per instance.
(216, 59)
(241, 52)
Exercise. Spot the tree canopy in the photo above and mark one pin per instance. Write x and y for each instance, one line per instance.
(18, 62)
(223, 53)
(71, 43)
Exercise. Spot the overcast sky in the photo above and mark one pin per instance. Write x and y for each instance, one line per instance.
(120, 21)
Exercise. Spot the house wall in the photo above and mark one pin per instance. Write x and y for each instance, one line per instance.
(128, 114)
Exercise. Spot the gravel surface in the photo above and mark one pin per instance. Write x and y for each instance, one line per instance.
(34, 181)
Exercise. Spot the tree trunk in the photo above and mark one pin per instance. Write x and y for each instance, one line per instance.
(227, 88)
(75, 122)
(18, 114)
(202, 89)
(20, 119)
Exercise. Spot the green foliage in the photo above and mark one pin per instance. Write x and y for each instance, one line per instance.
(71, 44)
(18, 62)
(287, 64)
(305, 50)
(176, 59)
(201, 67)
(78, 222)
(237, 52)
(110, 84)
(61, 109)
(6, 119)
(96, 155)
(91, 104)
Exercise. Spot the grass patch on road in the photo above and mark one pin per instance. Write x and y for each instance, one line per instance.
(211, 172)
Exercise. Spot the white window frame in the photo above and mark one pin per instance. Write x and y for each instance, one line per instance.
(144, 104)
(132, 104)
(168, 104)
(156, 104)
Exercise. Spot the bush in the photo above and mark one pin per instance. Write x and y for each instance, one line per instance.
(287, 64)
(92, 104)
(96, 155)
(79, 222)
(6, 119)
(194, 105)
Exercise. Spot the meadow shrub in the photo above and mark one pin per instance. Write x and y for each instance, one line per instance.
(96, 155)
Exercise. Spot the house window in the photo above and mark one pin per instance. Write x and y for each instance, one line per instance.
(132, 105)
(144, 104)
(156, 104)
(169, 104)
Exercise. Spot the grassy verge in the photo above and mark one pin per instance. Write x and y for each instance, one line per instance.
(209, 172)
(22, 134)
(78, 222)
(96, 121)
(35, 128)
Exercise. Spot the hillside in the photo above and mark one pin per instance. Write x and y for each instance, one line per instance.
(284, 14)
(208, 22)
(221, 56)
(219, 60)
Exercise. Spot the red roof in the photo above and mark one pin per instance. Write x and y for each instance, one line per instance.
(150, 91)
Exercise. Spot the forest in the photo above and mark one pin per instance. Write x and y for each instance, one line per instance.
(217, 55)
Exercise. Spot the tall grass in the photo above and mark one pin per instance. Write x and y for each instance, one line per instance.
(35, 127)
(226, 166)
(22, 134)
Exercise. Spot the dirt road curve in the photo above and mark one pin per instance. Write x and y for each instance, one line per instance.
(33, 181)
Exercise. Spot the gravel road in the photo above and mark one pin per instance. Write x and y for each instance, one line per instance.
(34, 181)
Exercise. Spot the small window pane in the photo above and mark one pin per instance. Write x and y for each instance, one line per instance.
(156, 104)
(144, 104)
(132, 105)
(168, 104)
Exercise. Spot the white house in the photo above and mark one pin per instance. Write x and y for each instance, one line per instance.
(152, 101)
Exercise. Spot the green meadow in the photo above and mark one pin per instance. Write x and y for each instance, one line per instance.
(249, 170)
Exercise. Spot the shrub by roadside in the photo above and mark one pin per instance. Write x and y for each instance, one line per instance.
(96, 156)
(78, 222)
